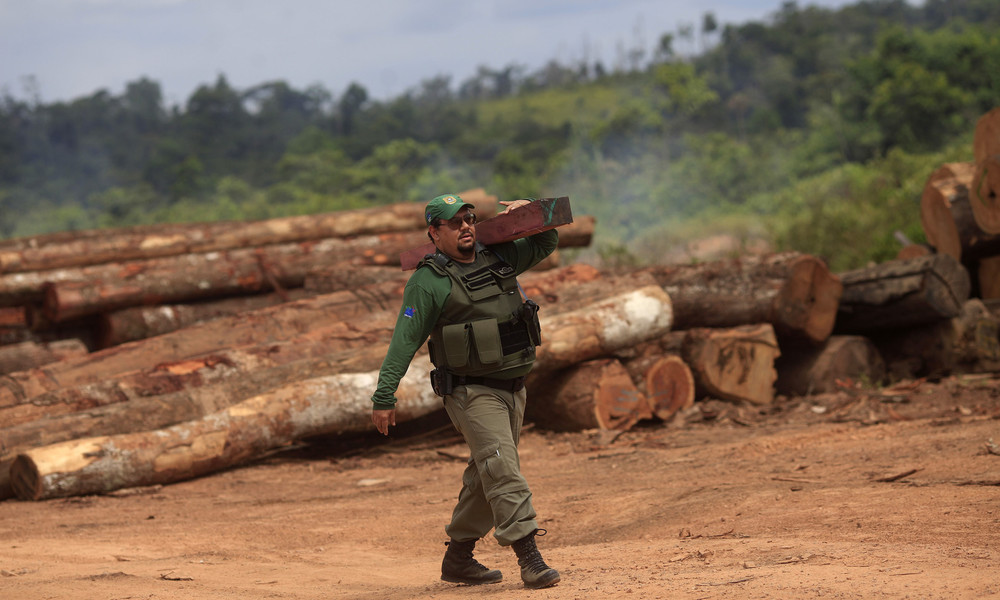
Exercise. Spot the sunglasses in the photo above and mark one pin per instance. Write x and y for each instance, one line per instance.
(456, 222)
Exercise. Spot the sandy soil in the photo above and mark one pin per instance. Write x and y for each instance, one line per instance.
(850, 495)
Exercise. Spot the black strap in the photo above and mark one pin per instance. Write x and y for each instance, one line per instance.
(507, 385)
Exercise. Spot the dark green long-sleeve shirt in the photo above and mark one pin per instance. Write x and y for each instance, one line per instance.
(423, 299)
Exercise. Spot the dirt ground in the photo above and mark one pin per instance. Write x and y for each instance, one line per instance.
(859, 494)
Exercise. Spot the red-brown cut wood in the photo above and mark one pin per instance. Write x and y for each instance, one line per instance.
(735, 364)
(669, 387)
(985, 192)
(947, 217)
(541, 215)
(594, 394)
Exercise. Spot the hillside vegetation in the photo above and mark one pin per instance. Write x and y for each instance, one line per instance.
(813, 130)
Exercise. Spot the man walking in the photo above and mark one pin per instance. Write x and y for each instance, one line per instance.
(466, 299)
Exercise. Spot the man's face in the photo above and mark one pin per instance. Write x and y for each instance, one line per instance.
(456, 237)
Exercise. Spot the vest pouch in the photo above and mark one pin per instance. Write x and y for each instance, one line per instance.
(455, 339)
(486, 338)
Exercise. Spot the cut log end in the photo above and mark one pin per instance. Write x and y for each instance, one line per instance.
(669, 387)
(807, 304)
(25, 479)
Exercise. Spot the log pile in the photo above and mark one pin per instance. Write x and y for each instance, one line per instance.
(189, 372)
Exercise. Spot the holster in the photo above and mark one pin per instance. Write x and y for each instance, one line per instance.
(529, 315)
(442, 382)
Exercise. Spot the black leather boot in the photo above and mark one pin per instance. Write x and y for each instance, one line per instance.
(534, 572)
(458, 565)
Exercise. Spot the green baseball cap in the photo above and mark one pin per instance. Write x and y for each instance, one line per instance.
(444, 207)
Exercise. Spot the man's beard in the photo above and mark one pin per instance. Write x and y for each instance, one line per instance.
(467, 247)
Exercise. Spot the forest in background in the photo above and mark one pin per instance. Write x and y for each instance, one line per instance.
(815, 129)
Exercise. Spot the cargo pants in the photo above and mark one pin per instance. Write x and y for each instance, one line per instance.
(494, 494)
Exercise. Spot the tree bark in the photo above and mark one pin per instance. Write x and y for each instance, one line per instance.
(594, 394)
(139, 243)
(240, 433)
(967, 343)
(988, 277)
(985, 192)
(795, 293)
(141, 322)
(735, 364)
(28, 355)
(947, 218)
(901, 293)
(816, 370)
(603, 327)
(196, 276)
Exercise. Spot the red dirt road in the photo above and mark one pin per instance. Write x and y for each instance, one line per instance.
(851, 495)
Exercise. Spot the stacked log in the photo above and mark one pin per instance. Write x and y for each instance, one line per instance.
(986, 180)
(793, 292)
(62, 281)
(900, 293)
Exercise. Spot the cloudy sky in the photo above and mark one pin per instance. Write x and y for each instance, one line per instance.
(73, 48)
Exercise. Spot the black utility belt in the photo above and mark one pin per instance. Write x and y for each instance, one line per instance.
(444, 382)
(507, 385)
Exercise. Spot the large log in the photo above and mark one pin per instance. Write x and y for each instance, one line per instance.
(137, 243)
(326, 405)
(816, 370)
(603, 327)
(594, 394)
(967, 343)
(194, 276)
(28, 355)
(900, 293)
(947, 217)
(735, 364)
(140, 322)
(795, 293)
(541, 215)
(985, 192)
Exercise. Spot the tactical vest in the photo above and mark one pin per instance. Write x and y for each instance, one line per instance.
(484, 327)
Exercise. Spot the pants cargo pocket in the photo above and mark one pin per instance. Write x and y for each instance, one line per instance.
(499, 473)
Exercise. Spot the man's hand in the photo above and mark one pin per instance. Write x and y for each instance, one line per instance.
(512, 204)
(382, 419)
